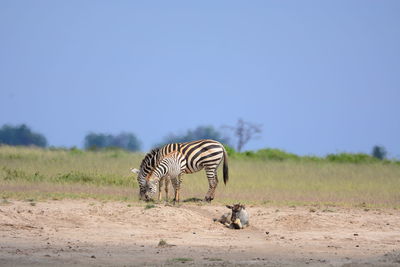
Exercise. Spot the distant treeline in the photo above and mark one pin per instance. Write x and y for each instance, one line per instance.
(22, 135)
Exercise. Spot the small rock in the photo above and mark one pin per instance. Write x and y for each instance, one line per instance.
(93, 256)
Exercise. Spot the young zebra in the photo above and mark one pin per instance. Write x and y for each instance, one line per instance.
(171, 167)
(201, 154)
(165, 179)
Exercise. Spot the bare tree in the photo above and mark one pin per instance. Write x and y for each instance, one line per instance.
(244, 132)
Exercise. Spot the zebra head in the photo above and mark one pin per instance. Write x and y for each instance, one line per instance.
(141, 178)
(146, 167)
(151, 187)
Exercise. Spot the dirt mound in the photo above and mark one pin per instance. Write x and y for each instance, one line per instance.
(88, 232)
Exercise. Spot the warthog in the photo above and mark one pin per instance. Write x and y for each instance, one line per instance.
(238, 218)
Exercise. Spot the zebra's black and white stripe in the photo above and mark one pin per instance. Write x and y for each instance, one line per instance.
(201, 154)
(171, 167)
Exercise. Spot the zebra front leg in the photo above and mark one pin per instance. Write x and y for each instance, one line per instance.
(167, 180)
(212, 182)
(160, 184)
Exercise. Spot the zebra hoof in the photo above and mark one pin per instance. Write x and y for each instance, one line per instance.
(208, 199)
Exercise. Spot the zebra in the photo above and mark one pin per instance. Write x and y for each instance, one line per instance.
(165, 179)
(171, 168)
(200, 154)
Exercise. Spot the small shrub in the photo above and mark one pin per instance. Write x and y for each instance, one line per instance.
(275, 154)
(12, 174)
(182, 260)
(229, 150)
(162, 243)
(214, 259)
(193, 199)
(149, 206)
(4, 201)
(75, 177)
(75, 151)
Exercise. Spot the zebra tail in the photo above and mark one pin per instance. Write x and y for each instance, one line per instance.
(225, 167)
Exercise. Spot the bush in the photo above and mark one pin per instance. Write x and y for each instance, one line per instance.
(275, 154)
(262, 154)
(281, 155)
(351, 158)
(229, 150)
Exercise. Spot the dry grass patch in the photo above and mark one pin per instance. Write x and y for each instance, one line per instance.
(39, 173)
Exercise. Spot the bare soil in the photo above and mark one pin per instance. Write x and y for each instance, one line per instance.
(93, 233)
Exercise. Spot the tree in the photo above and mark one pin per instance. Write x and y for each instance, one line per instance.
(126, 141)
(244, 132)
(379, 152)
(21, 135)
(201, 132)
(93, 140)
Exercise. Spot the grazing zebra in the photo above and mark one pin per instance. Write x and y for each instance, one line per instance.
(165, 179)
(201, 154)
(171, 167)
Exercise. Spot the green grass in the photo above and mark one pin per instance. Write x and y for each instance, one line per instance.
(182, 260)
(149, 206)
(302, 183)
(60, 173)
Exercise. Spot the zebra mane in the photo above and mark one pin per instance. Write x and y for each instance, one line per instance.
(150, 159)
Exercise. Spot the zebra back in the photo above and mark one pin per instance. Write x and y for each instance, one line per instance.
(198, 154)
(172, 165)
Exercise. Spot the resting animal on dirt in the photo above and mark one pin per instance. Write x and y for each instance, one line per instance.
(239, 218)
(201, 154)
(225, 219)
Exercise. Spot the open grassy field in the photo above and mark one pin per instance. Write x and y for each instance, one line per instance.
(32, 173)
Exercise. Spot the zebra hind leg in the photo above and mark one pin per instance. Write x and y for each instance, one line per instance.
(176, 182)
(212, 182)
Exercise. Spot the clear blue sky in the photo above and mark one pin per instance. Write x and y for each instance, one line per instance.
(320, 76)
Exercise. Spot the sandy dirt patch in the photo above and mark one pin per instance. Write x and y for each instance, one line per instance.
(86, 232)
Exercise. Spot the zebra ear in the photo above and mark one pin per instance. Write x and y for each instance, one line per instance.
(229, 207)
(134, 170)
